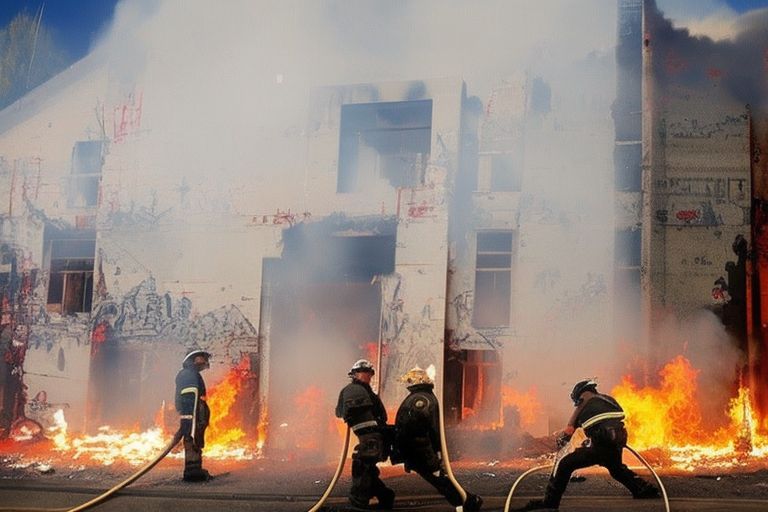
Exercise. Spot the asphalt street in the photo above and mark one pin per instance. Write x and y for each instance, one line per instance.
(22, 495)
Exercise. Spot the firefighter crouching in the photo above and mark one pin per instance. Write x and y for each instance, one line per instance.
(194, 413)
(364, 412)
(417, 439)
(602, 419)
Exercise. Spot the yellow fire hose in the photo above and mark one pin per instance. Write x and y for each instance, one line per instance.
(108, 494)
(336, 476)
(446, 460)
(548, 466)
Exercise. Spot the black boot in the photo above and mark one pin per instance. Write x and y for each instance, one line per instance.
(537, 505)
(386, 499)
(473, 503)
(196, 475)
(647, 492)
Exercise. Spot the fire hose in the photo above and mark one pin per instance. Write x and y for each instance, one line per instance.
(446, 460)
(109, 493)
(317, 506)
(548, 466)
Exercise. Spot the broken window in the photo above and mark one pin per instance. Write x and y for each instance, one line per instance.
(493, 279)
(627, 164)
(87, 160)
(389, 141)
(70, 285)
(505, 173)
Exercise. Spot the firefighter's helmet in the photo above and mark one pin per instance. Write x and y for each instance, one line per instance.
(191, 357)
(415, 376)
(582, 386)
(361, 365)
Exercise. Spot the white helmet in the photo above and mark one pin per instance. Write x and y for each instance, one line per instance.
(361, 365)
(191, 356)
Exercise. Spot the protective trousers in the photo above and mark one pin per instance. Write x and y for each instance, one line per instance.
(365, 474)
(193, 447)
(606, 455)
(441, 483)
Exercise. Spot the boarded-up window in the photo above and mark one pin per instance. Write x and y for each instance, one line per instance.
(70, 285)
(87, 160)
(493, 279)
(388, 141)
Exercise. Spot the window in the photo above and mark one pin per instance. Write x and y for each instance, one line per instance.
(87, 160)
(493, 279)
(70, 285)
(627, 258)
(505, 173)
(627, 164)
(384, 141)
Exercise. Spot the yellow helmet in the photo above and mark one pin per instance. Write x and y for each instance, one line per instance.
(416, 375)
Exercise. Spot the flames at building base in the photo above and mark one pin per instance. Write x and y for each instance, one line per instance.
(664, 421)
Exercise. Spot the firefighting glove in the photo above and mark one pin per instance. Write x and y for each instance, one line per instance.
(185, 427)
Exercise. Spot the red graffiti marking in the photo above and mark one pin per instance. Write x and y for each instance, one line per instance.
(687, 215)
(419, 211)
(127, 117)
(715, 73)
(281, 217)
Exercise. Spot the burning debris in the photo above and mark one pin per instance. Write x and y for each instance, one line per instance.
(227, 438)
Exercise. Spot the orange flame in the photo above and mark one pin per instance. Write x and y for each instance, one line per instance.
(668, 417)
(225, 437)
(527, 404)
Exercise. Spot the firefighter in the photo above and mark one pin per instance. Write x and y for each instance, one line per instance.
(417, 439)
(363, 411)
(602, 419)
(193, 412)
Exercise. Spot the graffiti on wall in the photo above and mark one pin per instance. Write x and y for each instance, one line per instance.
(143, 314)
(465, 335)
(126, 117)
(692, 128)
(281, 218)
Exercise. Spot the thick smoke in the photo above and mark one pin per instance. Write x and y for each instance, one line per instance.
(226, 89)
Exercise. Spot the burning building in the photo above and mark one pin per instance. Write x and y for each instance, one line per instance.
(290, 227)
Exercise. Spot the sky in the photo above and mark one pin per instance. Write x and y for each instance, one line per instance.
(75, 23)
(78, 23)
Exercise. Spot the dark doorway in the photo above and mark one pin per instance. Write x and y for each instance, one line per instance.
(324, 313)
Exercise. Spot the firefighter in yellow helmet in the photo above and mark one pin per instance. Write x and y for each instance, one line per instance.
(417, 439)
(366, 416)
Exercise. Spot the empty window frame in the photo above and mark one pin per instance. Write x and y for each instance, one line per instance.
(389, 141)
(87, 160)
(505, 173)
(70, 285)
(493, 279)
(627, 165)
